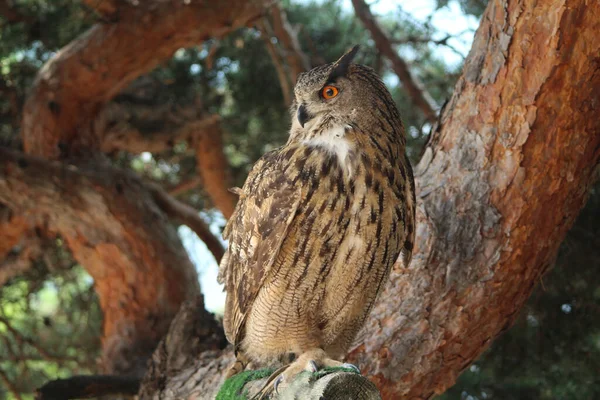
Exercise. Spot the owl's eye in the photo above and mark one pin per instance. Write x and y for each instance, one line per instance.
(329, 92)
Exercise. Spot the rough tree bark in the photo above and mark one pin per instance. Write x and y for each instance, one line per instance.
(114, 226)
(501, 181)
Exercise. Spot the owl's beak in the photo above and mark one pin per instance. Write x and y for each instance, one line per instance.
(303, 115)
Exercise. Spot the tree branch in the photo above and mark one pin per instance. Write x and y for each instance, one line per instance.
(187, 216)
(415, 89)
(88, 386)
(10, 386)
(122, 134)
(288, 38)
(284, 78)
(214, 169)
(113, 227)
(74, 85)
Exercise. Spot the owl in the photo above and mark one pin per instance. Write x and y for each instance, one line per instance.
(319, 224)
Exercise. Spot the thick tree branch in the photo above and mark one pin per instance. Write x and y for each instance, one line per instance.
(415, 89)
(111, 224)
(74, 85)
(506, 153)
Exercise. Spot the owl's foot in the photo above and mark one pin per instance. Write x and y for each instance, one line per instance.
(310, 361)
(238, 365)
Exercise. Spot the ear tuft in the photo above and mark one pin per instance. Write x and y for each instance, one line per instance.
(340, 67)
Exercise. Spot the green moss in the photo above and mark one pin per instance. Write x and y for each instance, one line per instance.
(232, 388)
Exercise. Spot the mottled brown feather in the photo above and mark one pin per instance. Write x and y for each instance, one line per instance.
(268, 202)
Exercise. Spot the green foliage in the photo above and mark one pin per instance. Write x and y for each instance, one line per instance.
(233, 388)
(49, 325)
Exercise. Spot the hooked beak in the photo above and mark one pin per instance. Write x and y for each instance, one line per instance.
(303, 115)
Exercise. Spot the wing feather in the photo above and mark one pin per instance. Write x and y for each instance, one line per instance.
(411, 204)
(267, 205)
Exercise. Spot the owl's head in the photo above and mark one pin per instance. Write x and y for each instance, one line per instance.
(336, 92)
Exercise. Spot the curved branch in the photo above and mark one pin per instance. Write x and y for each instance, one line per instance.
(188, 216)
(73, 86)
(110, 222)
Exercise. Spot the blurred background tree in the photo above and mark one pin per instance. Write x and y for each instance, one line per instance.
(552, 352)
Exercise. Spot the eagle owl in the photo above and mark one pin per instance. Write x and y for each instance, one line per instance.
(319, 224)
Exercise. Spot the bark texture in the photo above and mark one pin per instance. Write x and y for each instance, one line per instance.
(114, 228)
(501, 181)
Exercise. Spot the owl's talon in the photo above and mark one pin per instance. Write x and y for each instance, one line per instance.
(277, 383)
(351, 366)
(312, 366)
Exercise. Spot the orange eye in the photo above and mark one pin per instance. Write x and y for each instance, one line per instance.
(329, 92)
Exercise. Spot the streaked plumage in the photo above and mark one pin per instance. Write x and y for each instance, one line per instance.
(320, 221)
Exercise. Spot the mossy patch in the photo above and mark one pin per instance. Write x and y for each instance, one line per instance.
(233, 388)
